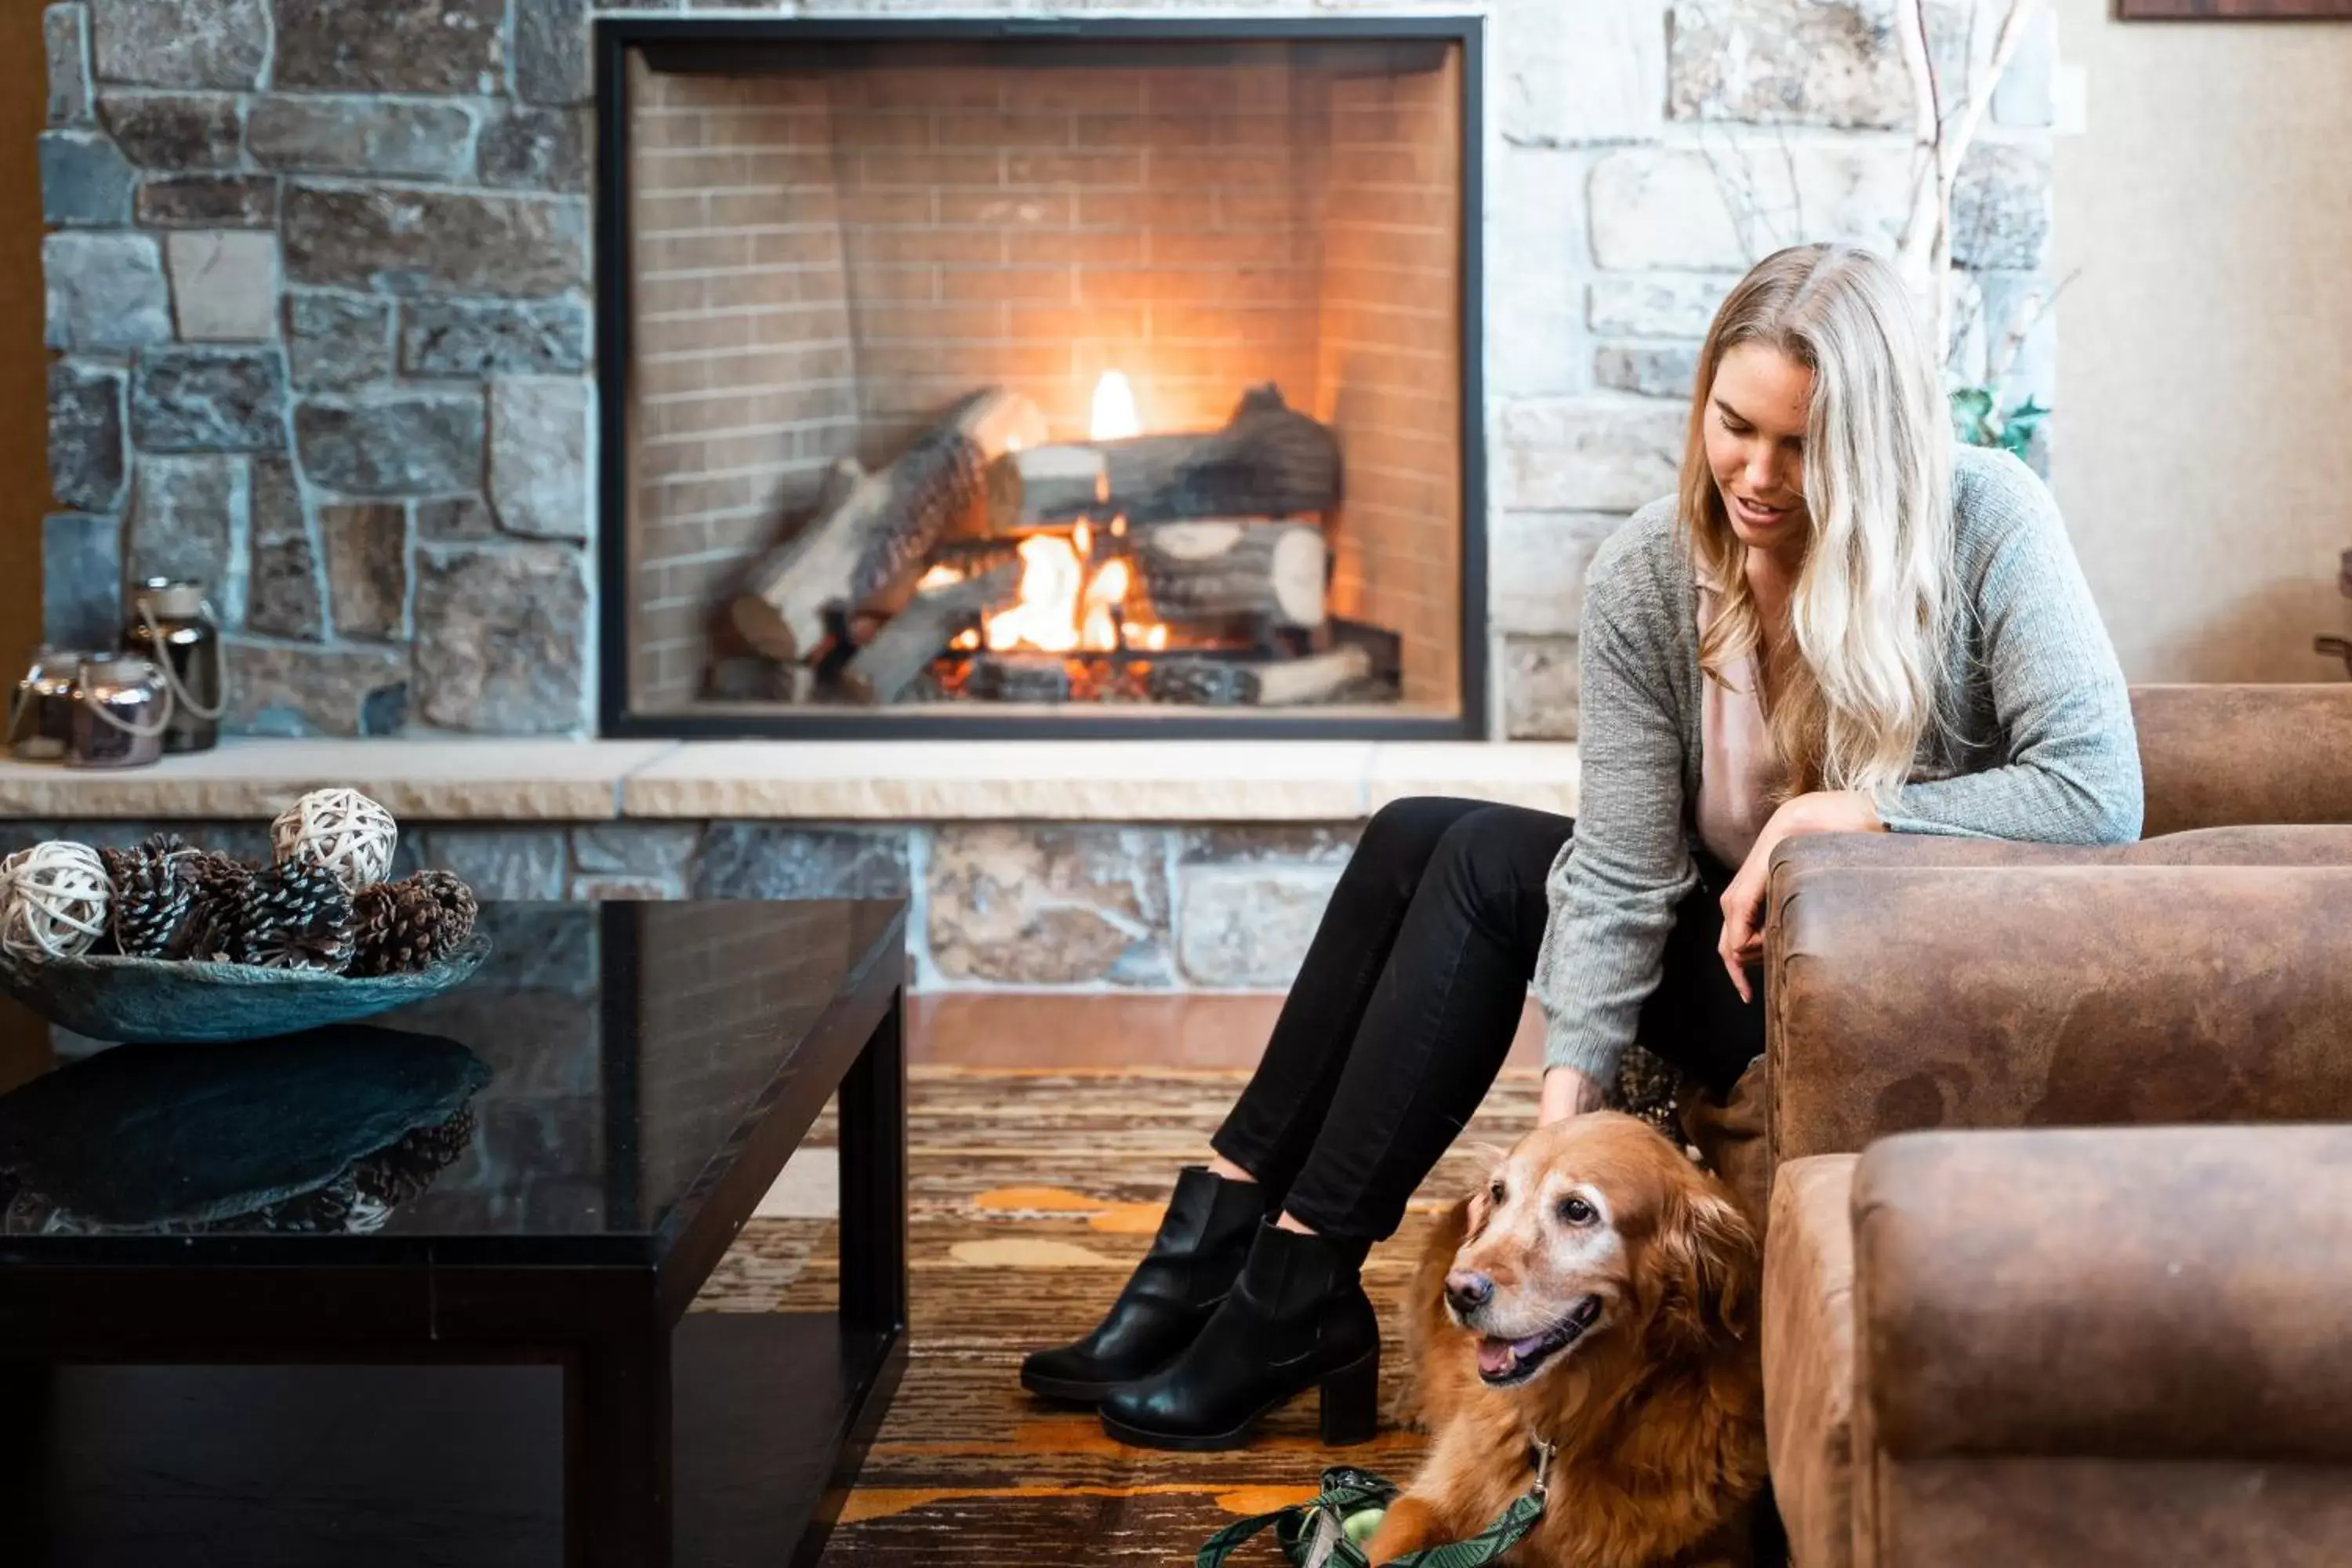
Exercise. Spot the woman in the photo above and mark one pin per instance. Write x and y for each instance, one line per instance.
(1837, 624)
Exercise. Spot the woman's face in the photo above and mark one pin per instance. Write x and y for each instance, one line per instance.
(1756, 445)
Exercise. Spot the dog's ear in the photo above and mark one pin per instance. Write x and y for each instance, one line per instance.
(1476, 1209)
(1478, 1203)
(1713, 1268)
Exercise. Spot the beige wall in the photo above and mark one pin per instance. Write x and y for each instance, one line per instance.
(2204, 451)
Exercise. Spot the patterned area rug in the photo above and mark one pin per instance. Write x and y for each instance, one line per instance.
(1032, 1196)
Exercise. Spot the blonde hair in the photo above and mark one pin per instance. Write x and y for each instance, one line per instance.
(1873, 603)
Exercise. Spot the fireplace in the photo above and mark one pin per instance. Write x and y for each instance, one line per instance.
(1068, 377)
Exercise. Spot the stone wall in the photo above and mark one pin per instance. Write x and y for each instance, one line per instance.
(319, 284)
(1072, 906)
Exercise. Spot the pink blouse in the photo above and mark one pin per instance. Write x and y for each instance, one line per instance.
(1738, 768)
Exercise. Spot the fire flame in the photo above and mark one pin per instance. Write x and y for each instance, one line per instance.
(1045, 618)
(1114, 410)
(1063, 608)
(1098, 631)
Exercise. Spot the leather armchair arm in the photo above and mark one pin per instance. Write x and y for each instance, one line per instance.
(2212, 755)
(2132, 1293)
(1915, 993)
(2262, 844)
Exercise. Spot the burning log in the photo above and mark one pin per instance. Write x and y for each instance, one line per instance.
(1269, 461)
(873, 532)
(1278, 683)
(1001, 678)
(1274, 573)
(1047, 485)
(918, 634)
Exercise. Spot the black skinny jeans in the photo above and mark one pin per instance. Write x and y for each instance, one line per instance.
(1409, 997)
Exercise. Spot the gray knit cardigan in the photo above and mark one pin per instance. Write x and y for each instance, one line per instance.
(2046, 750)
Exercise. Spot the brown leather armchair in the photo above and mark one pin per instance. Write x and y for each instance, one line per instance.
(2199, 976)
(2064, 1347)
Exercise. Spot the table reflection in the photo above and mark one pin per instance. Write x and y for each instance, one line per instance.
(325, 1132)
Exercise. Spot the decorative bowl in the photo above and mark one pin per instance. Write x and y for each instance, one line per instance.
(155, 1001)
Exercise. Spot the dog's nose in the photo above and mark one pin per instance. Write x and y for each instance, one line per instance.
(1466, 1292)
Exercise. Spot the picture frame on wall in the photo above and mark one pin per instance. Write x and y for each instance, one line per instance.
(2234, 10)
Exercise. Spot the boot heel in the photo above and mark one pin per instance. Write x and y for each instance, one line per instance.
(1351, 1399)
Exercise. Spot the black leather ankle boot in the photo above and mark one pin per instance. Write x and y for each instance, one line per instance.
(1203, 1241)
(1298, 1318)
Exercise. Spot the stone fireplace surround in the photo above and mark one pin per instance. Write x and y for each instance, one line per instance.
(319, 283)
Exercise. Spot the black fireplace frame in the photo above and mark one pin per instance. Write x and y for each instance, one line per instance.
(733, 44)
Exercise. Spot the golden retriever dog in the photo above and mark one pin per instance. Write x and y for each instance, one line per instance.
(1599, 1293)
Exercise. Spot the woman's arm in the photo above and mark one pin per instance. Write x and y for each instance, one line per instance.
(1741, 942)
(1613, 894)
(2073, 774)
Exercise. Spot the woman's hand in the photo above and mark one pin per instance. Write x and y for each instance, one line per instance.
(1566, 1092)
(1742, 942)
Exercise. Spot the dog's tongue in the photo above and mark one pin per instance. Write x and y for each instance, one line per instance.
(1496, 1357)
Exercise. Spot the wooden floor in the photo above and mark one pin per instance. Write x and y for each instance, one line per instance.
(1044, 1134)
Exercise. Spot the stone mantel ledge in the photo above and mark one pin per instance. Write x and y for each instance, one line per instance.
(488, 780)
(436, 780)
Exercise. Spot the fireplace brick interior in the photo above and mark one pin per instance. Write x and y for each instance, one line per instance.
(824, 257)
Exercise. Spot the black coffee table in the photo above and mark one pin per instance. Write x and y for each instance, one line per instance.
(505, 1371)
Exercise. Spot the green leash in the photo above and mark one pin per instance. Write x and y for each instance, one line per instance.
(1316, 1535)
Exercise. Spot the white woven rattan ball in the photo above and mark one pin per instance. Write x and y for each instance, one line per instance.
(340, 829)
(53, 899)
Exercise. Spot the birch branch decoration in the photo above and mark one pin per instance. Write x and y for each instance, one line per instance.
(1925, 250)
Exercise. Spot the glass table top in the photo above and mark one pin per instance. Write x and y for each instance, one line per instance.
(572, 1092)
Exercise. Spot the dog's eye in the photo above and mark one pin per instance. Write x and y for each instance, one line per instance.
(1576, 1211)
(1495, 1192)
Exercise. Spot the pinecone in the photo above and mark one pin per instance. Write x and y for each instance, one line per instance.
(152, 894)
(292, 917)
(459, 906)
(408, 924)
(215, 873)
(218, 884)
(204, 934)
(385, 930)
